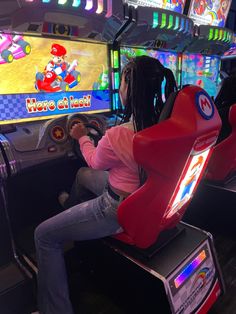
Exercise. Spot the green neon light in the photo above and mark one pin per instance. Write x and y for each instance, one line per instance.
(171, 21)
(211, 32)
(176, 23)
(163, 20)
(221, 34)
(225, 36)
(155, 20)
(216, 34)
(115, 101)
(116, 60)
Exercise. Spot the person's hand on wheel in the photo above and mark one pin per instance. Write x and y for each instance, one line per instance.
(78, 130)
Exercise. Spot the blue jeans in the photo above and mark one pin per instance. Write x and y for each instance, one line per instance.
(93, 219)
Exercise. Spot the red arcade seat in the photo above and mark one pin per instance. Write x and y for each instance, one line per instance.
(223, 161)
(174, 154)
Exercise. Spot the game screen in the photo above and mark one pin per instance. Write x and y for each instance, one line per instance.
(202, 71)
(172, 5)
(168, 59)
(209, 12)
(188, 182)
(42, 77)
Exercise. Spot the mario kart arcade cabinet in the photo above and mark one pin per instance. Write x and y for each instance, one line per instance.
(51, 80)
(190, 276)
(201, 66)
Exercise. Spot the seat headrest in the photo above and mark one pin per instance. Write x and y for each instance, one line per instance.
(227, 94)
(168, 107)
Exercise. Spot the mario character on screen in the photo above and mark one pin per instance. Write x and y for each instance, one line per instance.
(192, 177)
(58, 74)
(222, 12)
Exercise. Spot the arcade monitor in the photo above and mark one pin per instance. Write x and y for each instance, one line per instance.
(201, 70)
(209, 12)
(168, 59)
(45, 77)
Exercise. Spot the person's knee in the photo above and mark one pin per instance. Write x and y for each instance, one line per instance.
(81, 173)
(41, 233)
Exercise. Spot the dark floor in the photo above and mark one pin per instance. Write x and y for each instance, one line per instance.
(226, 251)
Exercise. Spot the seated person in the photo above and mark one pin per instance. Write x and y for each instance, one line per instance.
(141, 95)
(224, 100)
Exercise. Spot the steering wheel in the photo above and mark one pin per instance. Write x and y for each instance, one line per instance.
(95, 135)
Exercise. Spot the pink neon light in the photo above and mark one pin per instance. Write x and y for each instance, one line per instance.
(100, 7)
(109, 8)
(89, 5)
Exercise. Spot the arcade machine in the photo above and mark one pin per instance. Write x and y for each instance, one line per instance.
(213, 207)
(201, 59)
(51, 81)
(38, 155)
(201, 63)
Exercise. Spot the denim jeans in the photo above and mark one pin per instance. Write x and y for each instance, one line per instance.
(87, 184)
(92, 219)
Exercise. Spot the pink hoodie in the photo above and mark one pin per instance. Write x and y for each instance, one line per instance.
(114, 153)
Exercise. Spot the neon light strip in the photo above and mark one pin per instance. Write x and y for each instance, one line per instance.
(89, 5)
(112, 59)
(76, 3)
(109, 8)
(182, 24)
(216, 34)
(116, 59)
(189, 269)
(163, 20)
(46, 1)
(211, 34)
(176, 23)
(62, 2)
(155, 20)
(221, 34)
(171, 19)
(117, 80)
(100, 7)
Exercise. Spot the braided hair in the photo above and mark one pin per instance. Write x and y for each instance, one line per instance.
(144, 76)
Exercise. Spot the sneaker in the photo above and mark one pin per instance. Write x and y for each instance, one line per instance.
(63, 196)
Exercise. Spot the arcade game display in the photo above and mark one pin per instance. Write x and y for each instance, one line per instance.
(201, 59)
(169, 59)
(201, 70)
(71, 79)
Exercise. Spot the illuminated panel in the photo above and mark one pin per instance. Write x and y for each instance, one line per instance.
(176, 6)
(211, 34)
(176, 23)
(89, 5)
(100, 7)
(46, 1)
(62, 2)
(76, 3)
(155, 20)
(171, 18)
(189, 179)
(213, 13)
(189, 269)
(109, 8)
(163, 20)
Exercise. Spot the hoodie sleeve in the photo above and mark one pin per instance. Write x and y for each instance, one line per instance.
(101, 157)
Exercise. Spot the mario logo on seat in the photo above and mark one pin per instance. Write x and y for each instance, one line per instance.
(204, 105)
